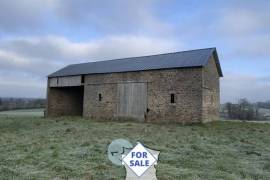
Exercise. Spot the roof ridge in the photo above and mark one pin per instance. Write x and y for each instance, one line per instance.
(144, 56)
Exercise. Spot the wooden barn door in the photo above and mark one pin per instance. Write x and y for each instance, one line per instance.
(132, 100)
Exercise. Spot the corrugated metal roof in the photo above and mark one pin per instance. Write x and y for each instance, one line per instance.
(184, 59)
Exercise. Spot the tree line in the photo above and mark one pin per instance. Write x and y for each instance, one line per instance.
(21, 103)
(244, 110)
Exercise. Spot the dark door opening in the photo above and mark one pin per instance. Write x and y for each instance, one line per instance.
(66, 101)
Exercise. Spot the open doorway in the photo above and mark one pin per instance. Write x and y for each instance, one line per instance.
(66, 101)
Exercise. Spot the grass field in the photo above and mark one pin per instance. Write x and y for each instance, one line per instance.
(75, 148)
(265, 112)
(23, 112)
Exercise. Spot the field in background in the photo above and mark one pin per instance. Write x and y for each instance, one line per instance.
(265, 112)
(76, 148)
(23, 112)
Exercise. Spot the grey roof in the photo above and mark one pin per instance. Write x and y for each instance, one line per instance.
(184, 59)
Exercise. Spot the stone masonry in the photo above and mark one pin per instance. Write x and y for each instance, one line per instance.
(186, 84)
(195, 89)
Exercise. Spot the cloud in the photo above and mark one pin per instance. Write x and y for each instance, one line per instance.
(17, 88)
(23, 15)
(239, 29)
(255, 47)
(39, 37)
(242, 22)
(33, 58)
(246, 31)
(236, 86)
(10, 59)
(99, 16)
(61, 50)
(112, 16)
(14, 84)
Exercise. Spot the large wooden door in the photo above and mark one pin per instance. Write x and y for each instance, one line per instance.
(132, 100)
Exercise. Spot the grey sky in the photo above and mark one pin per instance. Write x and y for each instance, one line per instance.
(39, 37)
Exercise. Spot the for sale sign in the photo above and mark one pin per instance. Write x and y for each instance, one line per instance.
(139, 159)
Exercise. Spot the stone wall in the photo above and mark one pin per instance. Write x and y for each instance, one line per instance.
(211, 92)
(104, 108)
(185, 83)
(196, 92)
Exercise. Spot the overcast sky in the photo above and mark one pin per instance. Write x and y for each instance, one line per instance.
(38, 37)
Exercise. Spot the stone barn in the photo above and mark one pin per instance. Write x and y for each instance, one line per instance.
(173, 87)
